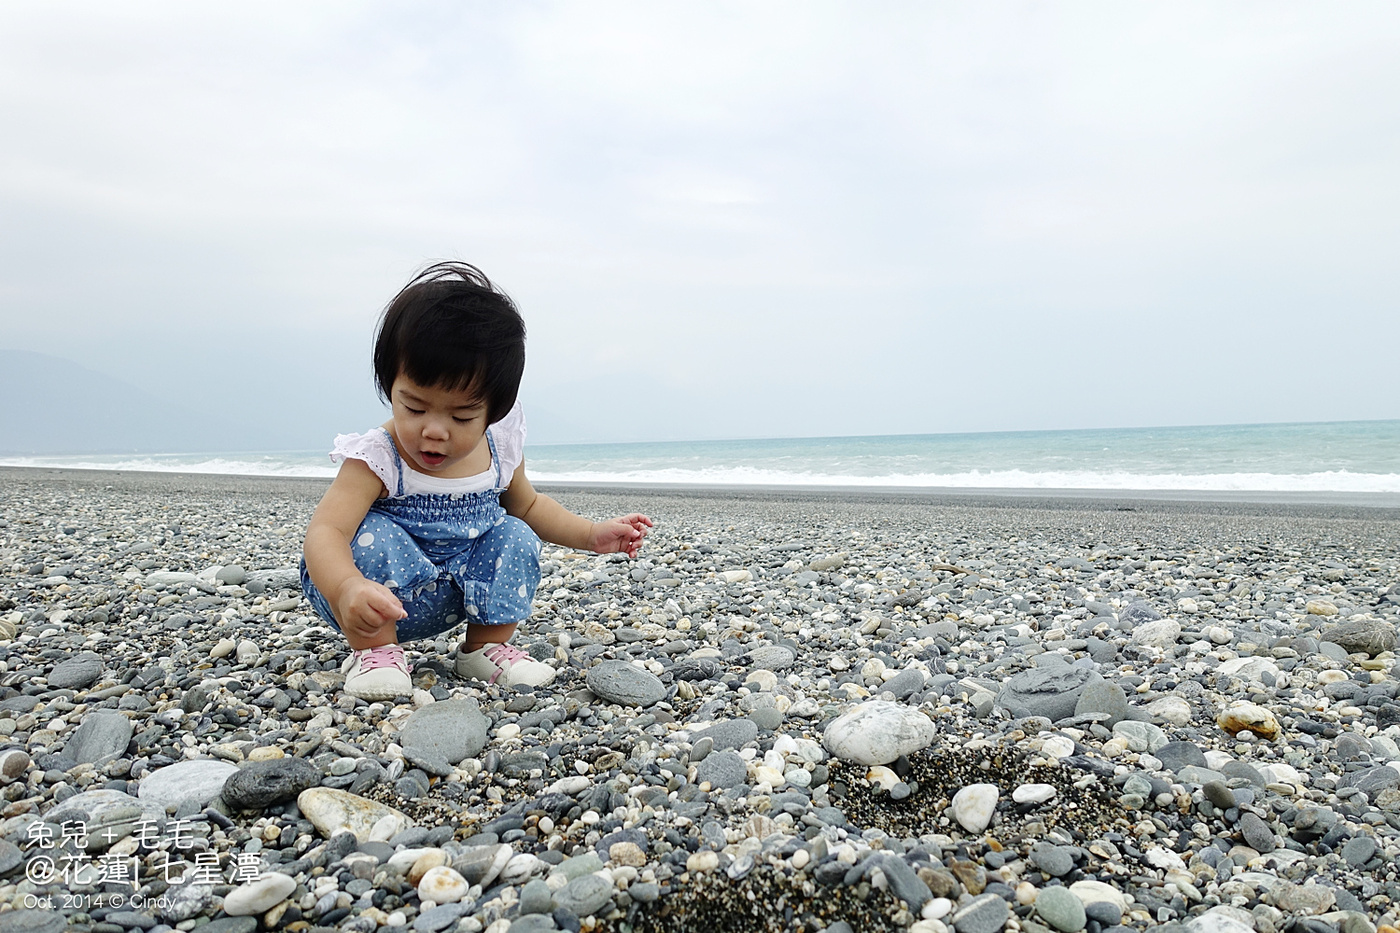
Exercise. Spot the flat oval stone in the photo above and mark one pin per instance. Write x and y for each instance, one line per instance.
(772, 657)
(1033, 793)
(196, 782)
(625, 683)
(452, 729)
(258, 896)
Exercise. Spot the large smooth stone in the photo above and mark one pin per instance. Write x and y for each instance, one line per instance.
(101, 737)
(1368, 636)
(1173, 709)
(481, 864)
(258, 896)
(1104, 697)
(987, 913)
(1095, 892)
(262, 784)
(1249, 668)
(1052, 692)
(81, 670)
(198, 782)
(728, 733)
(722, 769)
(1177, 755)
(29, 920)
(585, 895)
(109, 815)
(772, 657)
(1249, 717)
(1160, 634)
(1371, 781)
(332, 811)
(625, 683)
(171, 578)
(877, 732)
(1061, 909)
(1136, 613)
(451, 729)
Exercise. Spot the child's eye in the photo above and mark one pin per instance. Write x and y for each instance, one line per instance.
(416, 411)
(463, 420)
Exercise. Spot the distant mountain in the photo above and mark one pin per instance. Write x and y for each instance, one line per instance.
(49, 405)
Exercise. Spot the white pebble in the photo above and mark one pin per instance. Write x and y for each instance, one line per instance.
(974, 805)
(443, 885)
(1033, 793)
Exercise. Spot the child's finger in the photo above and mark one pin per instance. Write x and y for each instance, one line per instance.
(386, 604)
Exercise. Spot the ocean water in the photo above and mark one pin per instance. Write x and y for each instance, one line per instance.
(1349, 456)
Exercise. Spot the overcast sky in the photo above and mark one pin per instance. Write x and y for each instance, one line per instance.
(721, 220)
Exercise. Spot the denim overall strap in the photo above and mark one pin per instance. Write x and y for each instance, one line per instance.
(398, 463)
(495, 460)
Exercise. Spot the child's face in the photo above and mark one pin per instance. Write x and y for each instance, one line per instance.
(437, 428)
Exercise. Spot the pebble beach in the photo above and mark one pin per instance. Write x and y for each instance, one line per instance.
(795, 711)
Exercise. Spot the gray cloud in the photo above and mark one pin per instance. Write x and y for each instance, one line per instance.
(720, 220)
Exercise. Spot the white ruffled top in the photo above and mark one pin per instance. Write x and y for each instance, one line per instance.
(376, 449)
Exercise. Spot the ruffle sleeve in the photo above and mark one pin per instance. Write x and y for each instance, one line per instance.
(509, 435)
(375, 448)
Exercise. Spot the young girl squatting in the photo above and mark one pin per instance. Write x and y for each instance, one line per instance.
(431, 522)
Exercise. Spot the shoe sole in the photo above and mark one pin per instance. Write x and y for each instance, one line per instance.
(378, 694)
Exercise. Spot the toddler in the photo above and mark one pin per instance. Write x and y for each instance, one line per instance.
(431, 521)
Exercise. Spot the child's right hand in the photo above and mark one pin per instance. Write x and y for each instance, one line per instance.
(366, 609)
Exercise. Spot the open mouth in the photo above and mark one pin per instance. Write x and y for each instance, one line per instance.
(431, 459)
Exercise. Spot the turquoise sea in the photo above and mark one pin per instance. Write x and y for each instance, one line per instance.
(1350, 456)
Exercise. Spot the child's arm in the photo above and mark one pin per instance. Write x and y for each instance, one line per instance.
(557, 525)
(365, 610)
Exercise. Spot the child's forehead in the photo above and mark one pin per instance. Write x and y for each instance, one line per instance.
(449, 396)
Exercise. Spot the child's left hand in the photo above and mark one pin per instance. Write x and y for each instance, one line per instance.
(623, 535)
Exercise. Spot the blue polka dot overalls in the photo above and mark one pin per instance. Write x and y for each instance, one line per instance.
(450, 558)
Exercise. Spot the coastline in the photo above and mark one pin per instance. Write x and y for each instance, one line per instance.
(1380, 506)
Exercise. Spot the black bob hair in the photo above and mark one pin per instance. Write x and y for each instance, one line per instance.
(452, 329)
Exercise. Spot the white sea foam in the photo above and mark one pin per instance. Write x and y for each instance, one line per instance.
(269, 466)
(1332, 481)
(291, 465)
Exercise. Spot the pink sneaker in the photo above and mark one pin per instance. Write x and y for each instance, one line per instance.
(503, 664)
(377, 673)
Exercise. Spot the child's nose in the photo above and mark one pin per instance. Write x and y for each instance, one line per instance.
(435, 428)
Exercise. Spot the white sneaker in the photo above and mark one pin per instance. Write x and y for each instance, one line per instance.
(505, 665)
(377, 673)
